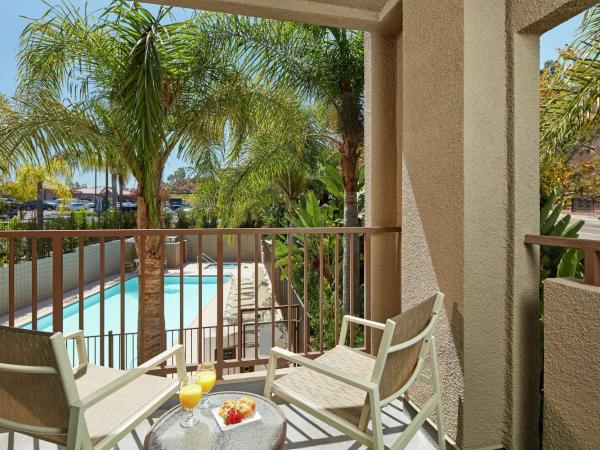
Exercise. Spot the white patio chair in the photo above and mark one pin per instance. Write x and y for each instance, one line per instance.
(86, 407)
(345, 387)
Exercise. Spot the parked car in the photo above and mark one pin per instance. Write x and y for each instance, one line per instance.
(74, 205)
(50, 204)
(127, 206)
(175, 203)
(28, 205)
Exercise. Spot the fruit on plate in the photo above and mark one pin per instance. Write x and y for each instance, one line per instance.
(247, 401)
(233, 417)
(234, 411)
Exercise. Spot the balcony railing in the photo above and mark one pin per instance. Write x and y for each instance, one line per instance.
(589, 247)
(274, 286)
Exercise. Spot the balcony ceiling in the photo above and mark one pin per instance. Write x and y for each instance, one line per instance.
(368, 15)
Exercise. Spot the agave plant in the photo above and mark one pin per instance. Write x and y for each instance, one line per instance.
(559, 262)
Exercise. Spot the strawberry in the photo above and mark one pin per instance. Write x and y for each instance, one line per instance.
(233, 417)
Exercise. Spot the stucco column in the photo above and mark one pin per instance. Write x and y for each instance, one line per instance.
(523, 313)
(381, 177)
(459, 199)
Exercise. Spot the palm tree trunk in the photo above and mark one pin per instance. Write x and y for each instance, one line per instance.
(40, 206)
(114, 190)
(351, 260)
(150, 316)
(121, 188)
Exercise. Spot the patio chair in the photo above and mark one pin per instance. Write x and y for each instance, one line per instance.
(86, 407)
(345, 387)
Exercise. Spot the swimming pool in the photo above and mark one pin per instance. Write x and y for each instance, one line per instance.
(112, 306)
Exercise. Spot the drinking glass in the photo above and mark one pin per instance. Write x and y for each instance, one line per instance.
(190, 394)
(206, 377)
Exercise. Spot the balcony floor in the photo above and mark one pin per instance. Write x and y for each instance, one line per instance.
(303, 430)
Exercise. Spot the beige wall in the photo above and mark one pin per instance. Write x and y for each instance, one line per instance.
(486, 224)
(432, 184)
(538, 16)
(382, 88)
(571, 362)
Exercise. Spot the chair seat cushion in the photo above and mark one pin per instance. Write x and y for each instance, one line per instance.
(118, 408)
(323, 392)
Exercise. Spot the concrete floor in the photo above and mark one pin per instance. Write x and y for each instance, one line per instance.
(303, 430)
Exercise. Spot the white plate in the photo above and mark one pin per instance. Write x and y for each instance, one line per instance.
(215, 412)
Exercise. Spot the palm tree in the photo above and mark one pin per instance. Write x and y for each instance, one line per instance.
(270, 165)
(570, 95)
(157, 82)
(320, 63)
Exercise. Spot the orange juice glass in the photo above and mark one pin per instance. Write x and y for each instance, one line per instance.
(190, 394)
(206, 377)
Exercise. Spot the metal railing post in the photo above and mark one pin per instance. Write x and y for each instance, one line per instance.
(57, 284)
(111, 349)
(219, 306)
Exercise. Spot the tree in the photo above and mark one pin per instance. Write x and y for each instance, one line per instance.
(570, 95)
(182, 180)
(269, 167)
(321, 63)
(31, 180)
(160, 85)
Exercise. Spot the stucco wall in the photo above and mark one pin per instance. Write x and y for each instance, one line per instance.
(571, 364)
(382, 87)
(432, 183)
(539, 16)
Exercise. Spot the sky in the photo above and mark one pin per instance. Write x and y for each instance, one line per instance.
(13, 21)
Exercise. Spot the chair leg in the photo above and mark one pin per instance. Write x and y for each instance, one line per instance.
(270, 375)
(78, 438)
(439, 412)
(376, 423)
(364, 417)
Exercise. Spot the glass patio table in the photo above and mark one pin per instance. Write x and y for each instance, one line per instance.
(265, 434)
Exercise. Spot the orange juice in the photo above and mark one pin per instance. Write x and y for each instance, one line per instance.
(190, 395)
(206, 379)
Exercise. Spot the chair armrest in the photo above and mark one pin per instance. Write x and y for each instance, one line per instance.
(358, 320)
(81, 352)
(131, 375)
(368, 323)
(365, 385)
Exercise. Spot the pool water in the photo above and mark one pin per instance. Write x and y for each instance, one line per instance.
(112, 306)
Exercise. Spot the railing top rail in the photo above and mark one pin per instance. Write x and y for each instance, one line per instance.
(132, 232)
(562, 242)
(590, 247)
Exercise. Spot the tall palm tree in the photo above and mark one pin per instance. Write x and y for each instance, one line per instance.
(161, 85)
(271, 163)
(570, 93)
(321, 63)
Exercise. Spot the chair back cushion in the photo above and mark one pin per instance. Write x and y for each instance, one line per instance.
(26, 398)
(400, 365)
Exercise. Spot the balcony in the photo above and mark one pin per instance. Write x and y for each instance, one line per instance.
(227, 297)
